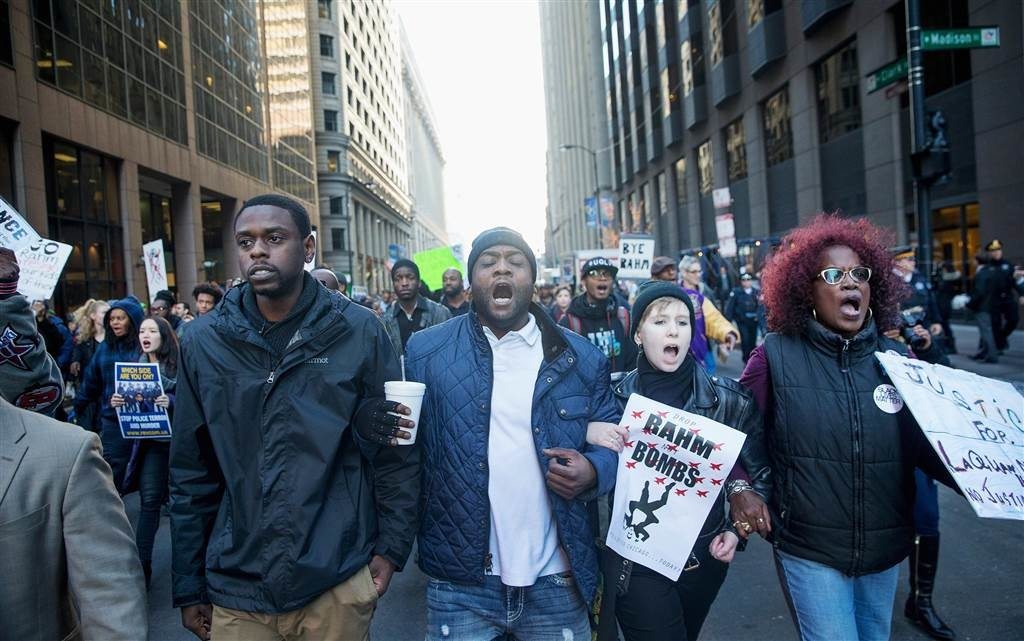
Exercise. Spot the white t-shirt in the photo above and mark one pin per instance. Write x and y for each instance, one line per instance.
(524, 538)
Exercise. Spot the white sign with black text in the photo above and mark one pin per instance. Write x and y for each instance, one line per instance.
(636, 252)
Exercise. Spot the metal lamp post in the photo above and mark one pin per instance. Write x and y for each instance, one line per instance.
(597, 185)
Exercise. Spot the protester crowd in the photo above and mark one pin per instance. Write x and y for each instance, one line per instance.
(296, 488)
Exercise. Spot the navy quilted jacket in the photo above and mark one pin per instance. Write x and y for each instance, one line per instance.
(453, 359)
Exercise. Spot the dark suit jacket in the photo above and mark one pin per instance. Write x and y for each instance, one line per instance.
(68, 561)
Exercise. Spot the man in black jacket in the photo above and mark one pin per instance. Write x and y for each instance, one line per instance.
(597, 316)
(281, 516)
(984, 302)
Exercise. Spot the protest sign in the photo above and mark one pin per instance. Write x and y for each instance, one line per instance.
(973, 423)
(41, 261)
(670, 474)
(140, 385)
(725, 227)
(433, 263)
(635, 255)
(156, 271)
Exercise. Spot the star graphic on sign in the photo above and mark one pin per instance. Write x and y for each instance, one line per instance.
(680, 492)
(647, 430)
(716, 466)
(631, 464)
(695, 430)
(662, 414)
(628, 443)
(702, 493)
(699, 479)
(660, 480)
(671, 448)
(719, 446)
(638, 414)
(695, 465)
(716, 481)
(653, 445)
(12, 351)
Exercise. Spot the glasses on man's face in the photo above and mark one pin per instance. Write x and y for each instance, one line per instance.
(158, 308)
(598, 273)
(835, 275)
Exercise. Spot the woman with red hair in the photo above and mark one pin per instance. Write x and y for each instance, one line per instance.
(844, 447)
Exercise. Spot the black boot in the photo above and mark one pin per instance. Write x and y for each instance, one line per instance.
(924, 559)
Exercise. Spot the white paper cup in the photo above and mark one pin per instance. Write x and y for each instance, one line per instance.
(410, 394)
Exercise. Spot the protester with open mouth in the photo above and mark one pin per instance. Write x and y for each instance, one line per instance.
(647, 605)
(843, 444)
(597, 316)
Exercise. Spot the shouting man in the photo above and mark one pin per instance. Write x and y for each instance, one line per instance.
(597, 316)
(507, 470)
(281, 517)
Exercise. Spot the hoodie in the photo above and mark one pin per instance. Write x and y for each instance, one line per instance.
(606, 325)
(98, 378)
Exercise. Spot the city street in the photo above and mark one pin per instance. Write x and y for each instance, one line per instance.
(978, 586)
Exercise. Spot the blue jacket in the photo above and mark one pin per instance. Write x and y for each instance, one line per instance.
(454, 360)
(98, 378)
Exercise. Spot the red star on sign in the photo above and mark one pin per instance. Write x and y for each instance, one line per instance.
(680, 492)
(701, 493)
(695, 430)
(716, 466)
(695, 465)
(660, 480)
(718, 446)
(639, 414)
(699, 479)
(662, 414)
(647, 430)
(631, 464)
(716, 481)
(671, 448)
(628, 443)
(653, 445)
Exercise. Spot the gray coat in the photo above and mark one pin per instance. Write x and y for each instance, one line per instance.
(69, 564)
(433, 314)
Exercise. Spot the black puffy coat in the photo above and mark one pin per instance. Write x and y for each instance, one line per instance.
(273, 499)
(606, 326)
(844, 467)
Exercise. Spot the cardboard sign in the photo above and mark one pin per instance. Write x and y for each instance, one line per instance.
(725, 226)
(433, 263)
(721, 198)
(975, 424)
(140, 385)
(636, 252)
(156, 270)
(41, 261)
(15, 232)
(670, 474)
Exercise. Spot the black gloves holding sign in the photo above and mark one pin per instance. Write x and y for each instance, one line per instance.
(375, 422)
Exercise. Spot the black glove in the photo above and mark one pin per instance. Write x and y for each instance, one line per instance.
(376, 424)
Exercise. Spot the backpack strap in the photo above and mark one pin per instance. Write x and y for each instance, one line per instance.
(623, 315)
(575, 324)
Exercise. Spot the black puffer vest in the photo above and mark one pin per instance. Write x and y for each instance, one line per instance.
(844, 484)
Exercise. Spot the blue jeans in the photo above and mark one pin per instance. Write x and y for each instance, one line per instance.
(926, 505)
(828, 605)
(549, 610)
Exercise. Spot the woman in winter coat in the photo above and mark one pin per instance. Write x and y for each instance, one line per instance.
(121, 344)
(647, 605)
(147, 468)
(89, 335)
(709, 323)
(843, 444)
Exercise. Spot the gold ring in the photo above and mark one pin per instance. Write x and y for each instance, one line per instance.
(746, 527)
(760, 520)
(737, 524)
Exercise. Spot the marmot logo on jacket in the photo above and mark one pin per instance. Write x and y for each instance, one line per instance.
(606, 342)
(317, 360)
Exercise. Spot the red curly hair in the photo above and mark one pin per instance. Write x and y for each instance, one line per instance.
(790, 271)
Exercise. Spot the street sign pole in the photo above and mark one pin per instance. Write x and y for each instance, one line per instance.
(922, 195)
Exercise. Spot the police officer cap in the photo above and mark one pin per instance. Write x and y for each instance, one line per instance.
(995, 245)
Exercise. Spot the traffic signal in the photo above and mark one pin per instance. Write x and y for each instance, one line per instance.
(932, 163)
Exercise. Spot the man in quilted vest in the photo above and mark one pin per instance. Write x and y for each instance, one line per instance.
(506, 469)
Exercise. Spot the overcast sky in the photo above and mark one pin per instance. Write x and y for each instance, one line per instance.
(481, 64)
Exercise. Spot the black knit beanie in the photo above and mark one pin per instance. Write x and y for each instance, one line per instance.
(650, 291)
(500, 236)
(405, 262)
(166, 296)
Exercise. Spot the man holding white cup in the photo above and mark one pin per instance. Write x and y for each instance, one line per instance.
(506, 468)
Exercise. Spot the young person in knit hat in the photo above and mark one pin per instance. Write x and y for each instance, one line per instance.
(412, 311)
(507, 470)
(645, 603)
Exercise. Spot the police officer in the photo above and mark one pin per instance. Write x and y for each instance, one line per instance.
(1006, 312)
(743, 307)
(921, 303)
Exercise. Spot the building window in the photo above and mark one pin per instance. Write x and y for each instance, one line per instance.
(662, 195)
(324, 8)
(735, 150)
(6, 48)
(330, 120)
(333, 161)
(326, 46)
(335, 206)
(778, 136)
(327, 83)
(659, 23)
(758, 9)
(692, 56)
(838, 93)
(338, 239)
(705, 169)
(681, 184)
(7, 128)
(722, 38)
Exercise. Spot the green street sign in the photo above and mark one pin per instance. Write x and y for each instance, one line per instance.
(887, 75)
(969, 38)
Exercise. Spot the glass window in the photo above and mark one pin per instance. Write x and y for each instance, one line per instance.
(659, 23)
(335, 206)
(692, 57)
(338, 239)
(324, 8)
(705, 169)
(778, 136)
(68, 66)
(7, 128)
(6, 47)
(680, 174)
(735, 150)
(662, 194)
(333, 161)
(94, 85)
(326, 46)
(838, 93)
(716, 46)
(330, 120)
(327, 85)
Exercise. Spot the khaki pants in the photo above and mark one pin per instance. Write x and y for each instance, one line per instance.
(343, 613)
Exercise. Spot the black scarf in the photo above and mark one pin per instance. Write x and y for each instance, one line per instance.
(671, 388)
(278, 335)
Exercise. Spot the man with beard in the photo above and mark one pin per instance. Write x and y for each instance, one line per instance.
(281, 517)
(455, 298)
(507, 470)
(596, 315)
(412, 311)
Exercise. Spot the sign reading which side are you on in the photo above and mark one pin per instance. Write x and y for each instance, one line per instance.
(671, 471)
(975, 424)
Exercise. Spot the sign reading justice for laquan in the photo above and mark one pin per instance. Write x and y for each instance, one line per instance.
(973, 423)
(670, 474)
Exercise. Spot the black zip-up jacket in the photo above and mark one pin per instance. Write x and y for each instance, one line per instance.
(602, 325)
(273, 499)
(843, 463)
